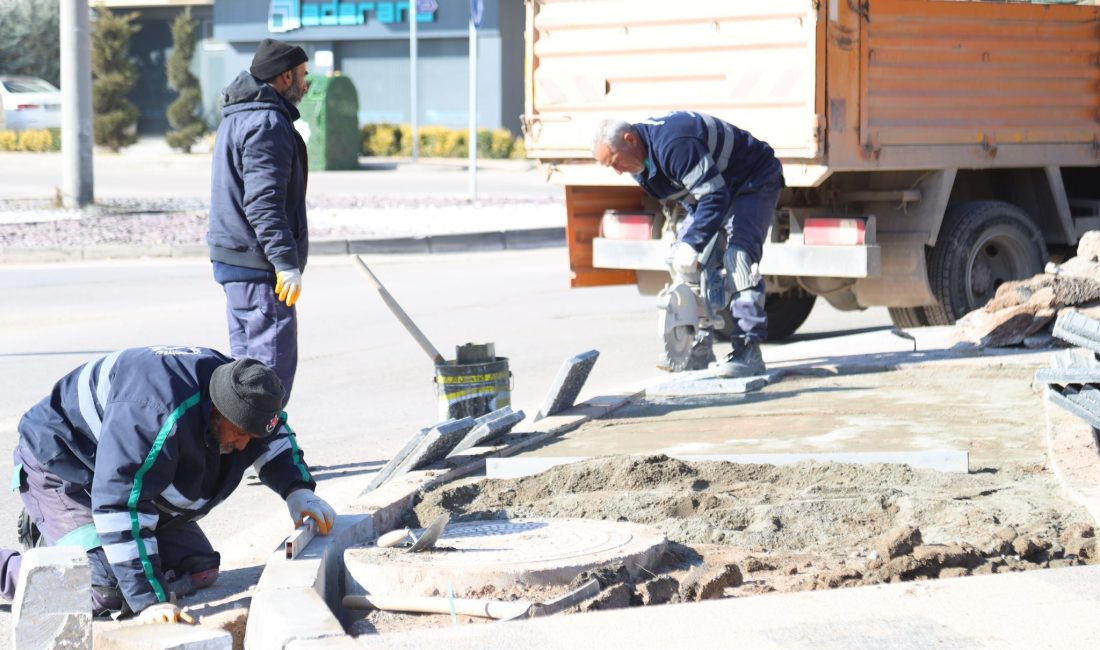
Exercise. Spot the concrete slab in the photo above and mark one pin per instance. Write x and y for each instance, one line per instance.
(503, 553)
(567, 385)
(1078, 329)
(164, 636)
(53, 602)
(490, 427)
(987, 408)
(1053, 608)
(703, 382)
(943, 461)
(279, 616)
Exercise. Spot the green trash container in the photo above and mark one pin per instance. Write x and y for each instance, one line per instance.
(330, 122)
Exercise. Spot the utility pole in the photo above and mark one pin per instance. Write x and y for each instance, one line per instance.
(476, 8)
(414, 8)
(77, 184)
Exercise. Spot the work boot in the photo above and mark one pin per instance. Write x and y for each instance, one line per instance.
(744, 361)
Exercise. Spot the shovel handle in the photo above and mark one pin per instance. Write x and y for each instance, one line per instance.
(410, 326)
(495, 609)
(393, 538)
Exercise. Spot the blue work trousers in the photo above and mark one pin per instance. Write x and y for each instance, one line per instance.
(262, 327)
(746, 228)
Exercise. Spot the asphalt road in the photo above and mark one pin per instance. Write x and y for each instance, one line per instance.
(363, 385)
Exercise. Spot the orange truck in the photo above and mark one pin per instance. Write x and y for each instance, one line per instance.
(932, 149)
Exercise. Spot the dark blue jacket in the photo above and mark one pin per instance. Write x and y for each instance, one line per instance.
(258, 182)
(131, 429)
(702, 162)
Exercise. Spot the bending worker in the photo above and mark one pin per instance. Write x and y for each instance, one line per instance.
(728, 180)
(129, 450)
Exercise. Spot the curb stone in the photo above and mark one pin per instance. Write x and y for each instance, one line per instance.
(499, 240)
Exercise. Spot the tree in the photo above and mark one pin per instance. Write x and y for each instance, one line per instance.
(113, 76)
(187, 125)
(30, 39)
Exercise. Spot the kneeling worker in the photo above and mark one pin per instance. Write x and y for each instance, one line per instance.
(129, 450)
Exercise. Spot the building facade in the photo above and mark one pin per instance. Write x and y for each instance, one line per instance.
(366, 41)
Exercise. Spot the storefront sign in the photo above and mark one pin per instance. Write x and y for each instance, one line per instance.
(288, 15)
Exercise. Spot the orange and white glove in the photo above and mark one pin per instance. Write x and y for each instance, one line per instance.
(161, 613)
(304, 503)
(288, 286)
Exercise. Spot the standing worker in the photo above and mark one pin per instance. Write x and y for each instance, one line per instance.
(128, 451)
(725, 178)
(258, 235)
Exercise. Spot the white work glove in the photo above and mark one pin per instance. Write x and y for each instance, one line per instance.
(684, 258)
(160, 613)
(304, 503)
(288, 286)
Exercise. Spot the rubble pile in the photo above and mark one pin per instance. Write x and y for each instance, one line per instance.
(1023, 312)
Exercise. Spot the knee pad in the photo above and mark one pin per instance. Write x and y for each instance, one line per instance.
(203, 579)
(741, 269)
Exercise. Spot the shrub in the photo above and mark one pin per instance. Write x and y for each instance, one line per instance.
(113, 77)
(438, 142)
(183, 113)
(35, 140)
(9, 141)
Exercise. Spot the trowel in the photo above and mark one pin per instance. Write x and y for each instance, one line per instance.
(405, 535)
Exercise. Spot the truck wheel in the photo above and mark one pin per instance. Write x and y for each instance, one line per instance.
(786, 313)
(982, 245)
(905, 317)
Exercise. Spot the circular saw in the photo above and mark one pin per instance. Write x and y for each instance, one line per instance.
(677, 320)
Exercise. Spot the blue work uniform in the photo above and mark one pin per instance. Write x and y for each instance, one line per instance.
(725, 178)
(258, 223)
(120, 457)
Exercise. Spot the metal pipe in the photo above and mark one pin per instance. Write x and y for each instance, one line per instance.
(77, 181)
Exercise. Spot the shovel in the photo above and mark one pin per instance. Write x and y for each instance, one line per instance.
(495, 609)
(422, 543)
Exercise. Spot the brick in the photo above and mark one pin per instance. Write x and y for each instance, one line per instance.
(567, 386)
(164, 636)
(53, 601)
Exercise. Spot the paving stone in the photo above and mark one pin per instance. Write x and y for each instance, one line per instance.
(164, 636)
(490, 427)
(53, 602)
(567, 386)
(1078, 329)
(707, 384)
(391, 466)
(435, 446)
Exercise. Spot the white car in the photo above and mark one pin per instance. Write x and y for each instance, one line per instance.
(29, 103)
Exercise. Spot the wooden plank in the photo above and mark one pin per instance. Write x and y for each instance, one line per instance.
(943, 461)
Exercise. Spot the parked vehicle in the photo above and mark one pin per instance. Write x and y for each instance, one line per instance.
(932, 150)
(29, 103)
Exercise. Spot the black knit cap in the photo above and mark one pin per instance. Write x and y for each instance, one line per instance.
(273, 58)
(248, 394)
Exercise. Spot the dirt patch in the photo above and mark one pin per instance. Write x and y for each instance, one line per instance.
(742, 529)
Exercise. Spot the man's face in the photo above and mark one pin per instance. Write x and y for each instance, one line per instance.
(297, 86)
(628, 158)
(230, 437)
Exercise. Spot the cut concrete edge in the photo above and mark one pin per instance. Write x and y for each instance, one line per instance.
(1066, 468)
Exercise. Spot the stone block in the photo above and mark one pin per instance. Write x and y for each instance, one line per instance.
(489, 427)
(278, 616)
(391, 466)
(567, 386)
(164, 636)
(435, 446)
(53, 600)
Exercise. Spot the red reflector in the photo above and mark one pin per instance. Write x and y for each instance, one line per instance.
(624, 225)
(26, 107)
(820, 231)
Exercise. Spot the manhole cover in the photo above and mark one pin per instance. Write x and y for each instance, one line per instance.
(504, 553)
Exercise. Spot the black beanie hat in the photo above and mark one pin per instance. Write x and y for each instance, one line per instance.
(248, 394)
(273, 58)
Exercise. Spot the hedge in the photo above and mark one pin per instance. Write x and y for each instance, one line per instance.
(438, 142)
(31, 140)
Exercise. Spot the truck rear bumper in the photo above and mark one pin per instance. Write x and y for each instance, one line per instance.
(779, 259)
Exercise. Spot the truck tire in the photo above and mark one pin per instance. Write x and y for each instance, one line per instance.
(982, 245)
(786, 313)
(905, 317)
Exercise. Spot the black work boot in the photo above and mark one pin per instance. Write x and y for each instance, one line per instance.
(744, 361)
